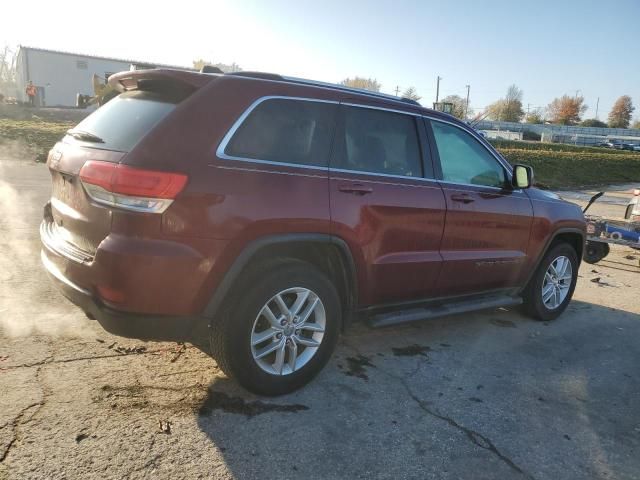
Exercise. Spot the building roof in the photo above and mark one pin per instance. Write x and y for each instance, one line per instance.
(98, 57)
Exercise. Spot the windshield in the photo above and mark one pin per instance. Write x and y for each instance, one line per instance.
(122, 122)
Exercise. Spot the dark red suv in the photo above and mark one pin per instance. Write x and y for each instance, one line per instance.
(276, 209)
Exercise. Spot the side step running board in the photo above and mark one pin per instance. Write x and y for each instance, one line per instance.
(440, 310)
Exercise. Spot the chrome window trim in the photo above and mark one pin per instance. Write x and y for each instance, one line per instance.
(220, 151)
(509, 191)
(384, 175)
(384, 109)
(477, 137)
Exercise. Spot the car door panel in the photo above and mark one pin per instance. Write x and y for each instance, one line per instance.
(484, 245)
(486, 235)
(393, 222)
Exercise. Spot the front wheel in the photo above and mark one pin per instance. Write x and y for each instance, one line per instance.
(551, 288)
(279, 329)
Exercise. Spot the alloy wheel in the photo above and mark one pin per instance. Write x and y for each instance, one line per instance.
(288, 331)
(557, 282)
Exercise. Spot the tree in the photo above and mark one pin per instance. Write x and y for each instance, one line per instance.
(620, 114)
(7, 70)
(234, 67)
(593, 122)
(459, 105)
(411, 94)
(509, 108)
(636, 124)
(566, 110)
(362, 83)
(534, 117)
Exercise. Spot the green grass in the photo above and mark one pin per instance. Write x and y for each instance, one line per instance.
(39, 136)
(559, 170)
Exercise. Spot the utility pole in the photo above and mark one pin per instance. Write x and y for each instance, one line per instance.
(397, 90)
(438, 88)
(597, 105)
(466, 107)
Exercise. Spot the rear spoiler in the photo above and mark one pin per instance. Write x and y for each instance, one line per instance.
(159, 79)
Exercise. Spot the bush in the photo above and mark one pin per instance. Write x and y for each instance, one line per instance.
(593, 122)
(533, 136)
(571, 169)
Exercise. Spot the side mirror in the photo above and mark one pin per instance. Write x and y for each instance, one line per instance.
(522, 176)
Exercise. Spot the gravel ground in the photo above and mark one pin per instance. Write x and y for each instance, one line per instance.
(487, 395)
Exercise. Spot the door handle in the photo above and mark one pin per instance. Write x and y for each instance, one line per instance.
(462, 198)
(355, 189)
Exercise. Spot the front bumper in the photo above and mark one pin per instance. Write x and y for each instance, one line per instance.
(125, 324)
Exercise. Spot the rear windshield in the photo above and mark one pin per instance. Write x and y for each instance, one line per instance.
(122, 122)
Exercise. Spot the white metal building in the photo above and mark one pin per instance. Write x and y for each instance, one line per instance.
(60, 76)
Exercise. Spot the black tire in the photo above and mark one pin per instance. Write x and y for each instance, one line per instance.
(230, 334)
(595, 251)
(533, 304)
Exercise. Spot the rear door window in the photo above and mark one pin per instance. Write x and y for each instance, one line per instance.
(286, 131)
(123, 121)
(378, 141)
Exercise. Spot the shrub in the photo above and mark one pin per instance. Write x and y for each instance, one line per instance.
(572, 169)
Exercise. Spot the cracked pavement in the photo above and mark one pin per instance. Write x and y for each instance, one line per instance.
(491, 395)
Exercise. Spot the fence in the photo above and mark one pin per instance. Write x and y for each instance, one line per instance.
(558, 129)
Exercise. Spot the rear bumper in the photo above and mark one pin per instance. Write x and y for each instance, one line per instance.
(125, 324)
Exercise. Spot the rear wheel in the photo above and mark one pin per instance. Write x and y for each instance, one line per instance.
(551, 288)
(279, 329)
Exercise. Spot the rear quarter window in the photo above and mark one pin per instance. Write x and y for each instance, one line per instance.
(125, 120)
(286, 131)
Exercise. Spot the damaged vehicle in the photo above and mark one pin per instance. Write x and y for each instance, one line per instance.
(273, 211)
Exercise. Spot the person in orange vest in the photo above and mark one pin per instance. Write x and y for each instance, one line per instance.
(31, 93)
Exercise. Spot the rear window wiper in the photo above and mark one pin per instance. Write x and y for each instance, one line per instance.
(86, 136)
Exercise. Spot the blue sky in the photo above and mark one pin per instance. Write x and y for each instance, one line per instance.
(547, 48)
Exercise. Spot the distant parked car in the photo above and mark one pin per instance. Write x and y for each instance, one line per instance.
(636, 148)
(627, 146)
(608, 144)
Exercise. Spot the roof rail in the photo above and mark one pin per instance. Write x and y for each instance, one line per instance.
(333, 86)
(344, 88)
(261, 75)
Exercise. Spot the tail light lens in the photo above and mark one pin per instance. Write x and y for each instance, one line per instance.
(131, 188)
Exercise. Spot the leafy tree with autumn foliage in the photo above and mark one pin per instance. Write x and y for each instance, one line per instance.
(535, 117)
(364, 83)
(566, 110)
(459, 105)
(620, 114)
(509, 108)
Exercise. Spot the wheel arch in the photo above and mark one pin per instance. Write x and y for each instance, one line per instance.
(573, 236)
(328, 253)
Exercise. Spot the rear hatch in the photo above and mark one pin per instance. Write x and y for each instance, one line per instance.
(74, 223)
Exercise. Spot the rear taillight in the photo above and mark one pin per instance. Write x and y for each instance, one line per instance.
(131, 188)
